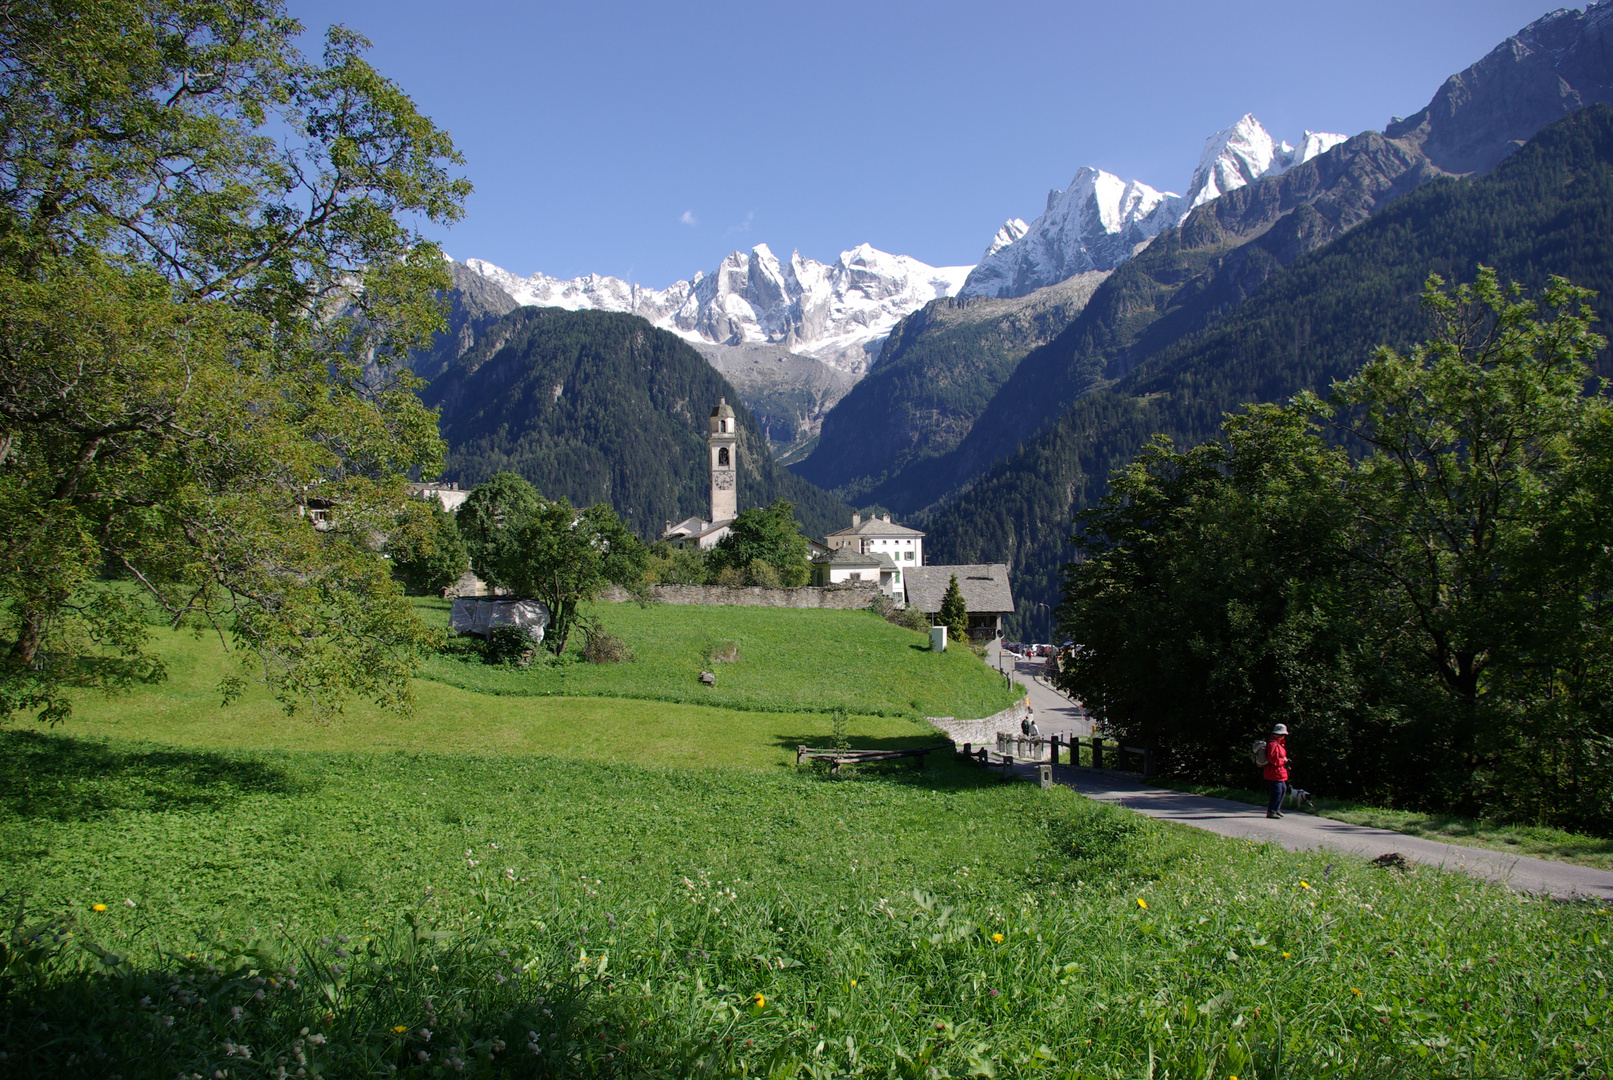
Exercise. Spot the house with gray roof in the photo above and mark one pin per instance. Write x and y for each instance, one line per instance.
(880, 536)
(985, 591)
(840, 565)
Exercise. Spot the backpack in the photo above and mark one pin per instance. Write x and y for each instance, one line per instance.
(1257, 753)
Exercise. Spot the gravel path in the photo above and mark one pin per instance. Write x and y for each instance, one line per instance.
(1296, 831)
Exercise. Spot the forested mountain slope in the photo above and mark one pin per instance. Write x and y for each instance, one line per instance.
(603, 407)
(938, 369)
(1546, 210)
(1226, 250)
(474, 304)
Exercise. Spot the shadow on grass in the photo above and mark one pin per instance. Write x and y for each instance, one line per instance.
(939, 771)
(60, 778)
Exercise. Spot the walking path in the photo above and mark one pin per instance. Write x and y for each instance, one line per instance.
(1295, 831)
(1055, 713)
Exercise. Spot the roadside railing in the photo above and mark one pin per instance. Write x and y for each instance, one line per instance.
(1075, 752)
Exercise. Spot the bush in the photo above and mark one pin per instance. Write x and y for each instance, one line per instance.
(507, 645)
(600, 647)
(909, 618)
(668, 565)
(762, 572)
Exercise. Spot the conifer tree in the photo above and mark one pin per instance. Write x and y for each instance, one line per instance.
(954, 613)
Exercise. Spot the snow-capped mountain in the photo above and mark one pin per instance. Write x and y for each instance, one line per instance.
(1246, 152)
(836, 312)
(1099, 221)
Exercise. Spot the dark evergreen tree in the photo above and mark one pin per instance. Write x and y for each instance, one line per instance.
(954, 613)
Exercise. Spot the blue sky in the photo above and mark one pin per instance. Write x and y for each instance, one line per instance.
(647, 140)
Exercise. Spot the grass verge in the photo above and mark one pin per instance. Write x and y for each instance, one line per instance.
(1535, 841)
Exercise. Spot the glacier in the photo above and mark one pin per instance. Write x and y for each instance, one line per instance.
(841, 312)
(837, 312)
(1099, 221)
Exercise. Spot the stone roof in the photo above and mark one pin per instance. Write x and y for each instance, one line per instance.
(875, 527)
(848, 557)
(984, 587)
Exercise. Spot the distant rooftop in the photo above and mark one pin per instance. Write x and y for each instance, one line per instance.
(984, 587)
(874, 526)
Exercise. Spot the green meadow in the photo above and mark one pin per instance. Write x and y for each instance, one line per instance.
(518, 883)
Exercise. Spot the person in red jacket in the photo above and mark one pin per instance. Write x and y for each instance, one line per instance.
(1276, 771)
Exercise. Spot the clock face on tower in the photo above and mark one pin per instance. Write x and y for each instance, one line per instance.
(723, 481)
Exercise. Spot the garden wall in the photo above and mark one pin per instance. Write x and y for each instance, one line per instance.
(848, 597)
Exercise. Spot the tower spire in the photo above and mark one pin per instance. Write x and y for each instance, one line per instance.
(722, 443)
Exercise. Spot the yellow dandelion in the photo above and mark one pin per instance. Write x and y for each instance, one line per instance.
(97, 907)
(759, 1001)
(1285, 956)
(398, 1029)
(1304, 884)
(1354, 991)
(854, 982)
(998, 938)
(1142, 903)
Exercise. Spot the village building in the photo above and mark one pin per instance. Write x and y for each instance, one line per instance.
(985, 590)
(880, 536)
(722, 449)
(841, 565)
(450, 495)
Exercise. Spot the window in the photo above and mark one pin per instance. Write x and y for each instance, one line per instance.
(722, 455)
(909, 556)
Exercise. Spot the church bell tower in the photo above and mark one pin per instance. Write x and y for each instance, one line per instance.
(723, 442)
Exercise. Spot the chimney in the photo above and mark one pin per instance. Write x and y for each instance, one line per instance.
(887, 519)
(856, 520)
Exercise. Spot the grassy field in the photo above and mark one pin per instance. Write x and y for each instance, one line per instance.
(527, 916)
(1536, 841)
(789, 661)
(511, 885)
(185, 711)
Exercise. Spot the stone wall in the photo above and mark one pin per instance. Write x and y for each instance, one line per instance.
(983, 732)
(849, 597)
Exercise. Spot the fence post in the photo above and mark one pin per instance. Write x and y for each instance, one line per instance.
(967, 752)
(1148, 761)
(1053, 749)
(1097, 752)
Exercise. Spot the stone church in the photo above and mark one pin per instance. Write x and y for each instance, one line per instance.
(722, 451)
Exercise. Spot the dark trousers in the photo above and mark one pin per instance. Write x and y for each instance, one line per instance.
(1278, 789)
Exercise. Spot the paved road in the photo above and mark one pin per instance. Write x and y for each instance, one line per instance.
(1303, 832)
(1055, 713)
(1296, 832)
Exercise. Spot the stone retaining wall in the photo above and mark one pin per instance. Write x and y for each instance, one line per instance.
(983, 732)
(849, 597)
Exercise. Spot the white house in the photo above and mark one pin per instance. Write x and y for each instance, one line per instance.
(839, 566)
(879, 536)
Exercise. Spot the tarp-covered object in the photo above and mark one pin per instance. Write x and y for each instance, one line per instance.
(478, 615)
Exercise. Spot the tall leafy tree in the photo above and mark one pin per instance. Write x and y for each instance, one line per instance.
(565, 557)
(1205, 601)
(1432, 618)
(427, 551)
(489, 520)
(1482, 522)
(208, 280)
(770, 534)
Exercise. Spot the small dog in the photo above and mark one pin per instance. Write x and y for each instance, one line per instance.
(1298, 799)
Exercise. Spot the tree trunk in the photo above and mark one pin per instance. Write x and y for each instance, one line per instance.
(26, 648)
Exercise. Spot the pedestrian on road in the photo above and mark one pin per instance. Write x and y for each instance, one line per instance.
(1276, 771)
